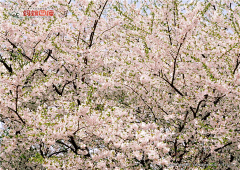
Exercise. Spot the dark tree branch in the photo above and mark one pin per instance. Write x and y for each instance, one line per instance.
(174, 88)
(32, 4)
(88, 154)
(214, 7)
(58, 141)
(24, 55)
(237, 64)
(85, 60)
(231, 158)
(78, 37)
(56, 153)
(14, 46)
(185, 120)
(58, 91)
(184, 79)
(72, 141)
(216, 150)
(175, 148)
(95, 26)
(41, 70)
(105, 31)
(9, 68)
(175, 59)
(78, 102)
(16, 107)
(49, 54)
(67, 70)
(74, 85)
(144, 102)
(145, 162)
(169, 35)
(170, 83)
(218, 99)
(195, 112)
(174, 69)
(206, 157)
(35, 47)
(206, 116)
(162, 109)
(181, 155)
(41, 152)
(74, 133)
(181, 45)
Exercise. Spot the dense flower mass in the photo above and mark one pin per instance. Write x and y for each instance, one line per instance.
(146, 84)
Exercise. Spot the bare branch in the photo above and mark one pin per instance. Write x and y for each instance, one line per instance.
(143, 101)
(49, 54)
(237, 64)
(206, 116)
(195, 112)
(218, 99)
(95, 26)
(16, 107)
(170, 83)
(58, 91)
(14, 46)
(59, 141)
(78, 37)
(9, 68)
(185, 120)
(223, 146)
(56, 153)
(41, 152)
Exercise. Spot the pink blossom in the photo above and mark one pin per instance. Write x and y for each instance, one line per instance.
(161, 145)
(145, 79)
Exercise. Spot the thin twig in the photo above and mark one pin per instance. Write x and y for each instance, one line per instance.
(95, 26)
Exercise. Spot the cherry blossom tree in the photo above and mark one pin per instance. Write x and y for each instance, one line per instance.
(119, 85)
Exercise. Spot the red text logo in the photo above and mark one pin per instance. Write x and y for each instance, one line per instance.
(38, 13)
